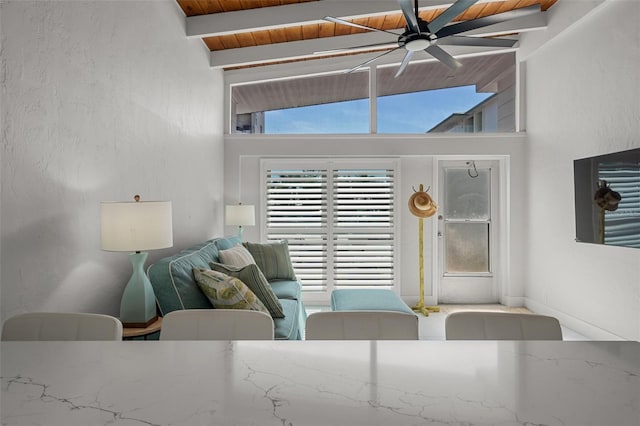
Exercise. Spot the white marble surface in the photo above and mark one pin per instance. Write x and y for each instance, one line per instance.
(321, 383)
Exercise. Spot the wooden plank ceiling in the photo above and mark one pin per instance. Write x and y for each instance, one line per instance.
(308, 31)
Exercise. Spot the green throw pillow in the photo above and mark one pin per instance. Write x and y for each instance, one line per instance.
(257, 283)
(273, 260)
(227, 292)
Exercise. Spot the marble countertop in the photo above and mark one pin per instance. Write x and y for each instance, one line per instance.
(323, 383)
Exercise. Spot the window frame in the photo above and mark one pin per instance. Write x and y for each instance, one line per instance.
(339, 65)
(331, 164)
(488, 222)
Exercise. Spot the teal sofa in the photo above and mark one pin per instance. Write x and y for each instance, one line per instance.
(175, 286)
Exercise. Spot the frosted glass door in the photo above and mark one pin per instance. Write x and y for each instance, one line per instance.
(466, 233)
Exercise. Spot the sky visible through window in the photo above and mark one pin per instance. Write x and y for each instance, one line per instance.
(415, 112)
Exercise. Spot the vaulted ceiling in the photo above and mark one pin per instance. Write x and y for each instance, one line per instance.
(249, 33)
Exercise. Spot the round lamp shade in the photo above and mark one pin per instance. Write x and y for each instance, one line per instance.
(240, 215)
(136, 226)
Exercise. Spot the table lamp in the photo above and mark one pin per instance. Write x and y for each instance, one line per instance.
(135, 227)
(240, 215)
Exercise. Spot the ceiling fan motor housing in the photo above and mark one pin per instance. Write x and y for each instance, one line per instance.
(415, 42)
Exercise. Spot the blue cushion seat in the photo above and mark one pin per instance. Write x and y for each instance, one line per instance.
(367, 300)
(288, 328)
(286, 289)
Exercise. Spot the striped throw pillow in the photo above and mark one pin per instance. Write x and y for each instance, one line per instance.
(273, 260)
(253, 278)
(236, 256)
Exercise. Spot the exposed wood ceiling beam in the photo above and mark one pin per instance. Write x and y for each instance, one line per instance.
(291, 50)
(304, 49)
(217, 24)
(261, 55)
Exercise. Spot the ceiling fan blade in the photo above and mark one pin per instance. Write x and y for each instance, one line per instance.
(364, 46)
(371, 60)
(477, 41)
(473, 24)
(409, 15)
(445, 17)
(404, 63)
(443, 56)
(353, 24)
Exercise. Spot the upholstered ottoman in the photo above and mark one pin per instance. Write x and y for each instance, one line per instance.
(367, 300)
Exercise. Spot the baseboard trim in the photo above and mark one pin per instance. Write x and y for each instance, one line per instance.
(588, 330)
(513, 302)
(414, 300)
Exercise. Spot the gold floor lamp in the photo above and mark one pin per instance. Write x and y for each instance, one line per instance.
(422, 205)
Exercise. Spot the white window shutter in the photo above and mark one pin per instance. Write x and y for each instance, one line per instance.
(363, 223)
(296, 211)
(338, 221)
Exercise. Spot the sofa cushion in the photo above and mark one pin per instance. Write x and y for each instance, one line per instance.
(227, 292)
(173, 281)
(253, 278)
(286, 289)
(227, 242)
(236, 256)
(288, 328)
(273, 259)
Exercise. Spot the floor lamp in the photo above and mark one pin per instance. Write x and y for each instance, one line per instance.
(422, 206)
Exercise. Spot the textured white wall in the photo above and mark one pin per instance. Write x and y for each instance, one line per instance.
(101, 100)
(416, 154)
(583, 91)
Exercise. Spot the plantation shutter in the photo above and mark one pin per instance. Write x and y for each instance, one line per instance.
(296, 211)
(338, 221)
(363, 228)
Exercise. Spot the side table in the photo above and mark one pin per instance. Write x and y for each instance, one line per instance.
(129, 333)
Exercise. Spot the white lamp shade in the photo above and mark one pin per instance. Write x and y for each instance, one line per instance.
(240, 215)
(136, 226)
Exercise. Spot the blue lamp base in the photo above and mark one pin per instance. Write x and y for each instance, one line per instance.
(138, 304)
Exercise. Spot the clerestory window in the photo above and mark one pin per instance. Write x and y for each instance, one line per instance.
(428, 98)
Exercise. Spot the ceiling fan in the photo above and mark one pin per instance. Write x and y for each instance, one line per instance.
(421, 35)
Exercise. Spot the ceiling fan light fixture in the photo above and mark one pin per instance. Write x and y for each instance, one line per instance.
(417, 44)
